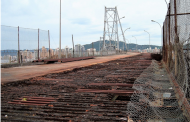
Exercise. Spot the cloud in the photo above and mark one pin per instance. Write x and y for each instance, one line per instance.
(85, 18)
(81, 21)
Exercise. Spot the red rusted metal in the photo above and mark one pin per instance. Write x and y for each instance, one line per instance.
(64, 60)
(90, 104)
(107, 91)
(137, 67)
(33, 100)
(44, 98)
(26, 103)
(112, 84)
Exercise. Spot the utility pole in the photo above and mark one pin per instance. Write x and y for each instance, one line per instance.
(38, 45)
(49, 44)
(60, 34)
(18, 48)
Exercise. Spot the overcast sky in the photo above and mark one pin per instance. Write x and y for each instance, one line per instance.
(85, 18)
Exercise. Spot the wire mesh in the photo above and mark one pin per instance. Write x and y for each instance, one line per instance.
(9, 44)
(28, 43)
(44, 44)
(21, 44)
(158, 98)
(154, 98)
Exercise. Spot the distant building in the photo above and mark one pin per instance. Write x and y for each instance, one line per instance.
(43, 53)
(91, 51)
(66, 49)
(82, 48)
(77, 47)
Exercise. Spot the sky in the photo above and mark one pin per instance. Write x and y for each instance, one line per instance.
(82, 18)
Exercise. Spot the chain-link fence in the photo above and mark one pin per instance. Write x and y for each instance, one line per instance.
(54, 54)
(176, 42)
(163, 95)
(21, 45)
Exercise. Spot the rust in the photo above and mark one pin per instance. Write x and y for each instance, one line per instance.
(80, 94)
(63, 60)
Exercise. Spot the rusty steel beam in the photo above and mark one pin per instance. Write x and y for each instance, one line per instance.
(111, 84)
(108, 91)
(143, 61)
(26, 103)
(178, 14)
(64, 60)
(51, 79)
(75, 59)
(46, 100)
(136, 67)
(115, 84)
(33, 101)
(39, 97)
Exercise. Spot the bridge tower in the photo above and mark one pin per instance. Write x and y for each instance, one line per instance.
(111, 20)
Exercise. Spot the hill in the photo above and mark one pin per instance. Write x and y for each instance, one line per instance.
(131, 46)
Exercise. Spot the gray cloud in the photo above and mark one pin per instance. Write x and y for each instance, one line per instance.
(85, 18)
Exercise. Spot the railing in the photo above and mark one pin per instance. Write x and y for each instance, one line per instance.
(176, 47)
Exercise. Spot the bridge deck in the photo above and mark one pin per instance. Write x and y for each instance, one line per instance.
(25, 72)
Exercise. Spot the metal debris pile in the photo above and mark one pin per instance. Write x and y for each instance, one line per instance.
(99, 92)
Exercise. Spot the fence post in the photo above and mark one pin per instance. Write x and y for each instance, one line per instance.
(18, 58)
(73, 47)
(170, 51)
(38, 45)
(49, 44)
(176, 36)
(93, 48)
(163, 48)
(166, 38)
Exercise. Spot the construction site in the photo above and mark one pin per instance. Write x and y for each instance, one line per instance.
(112, 85)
